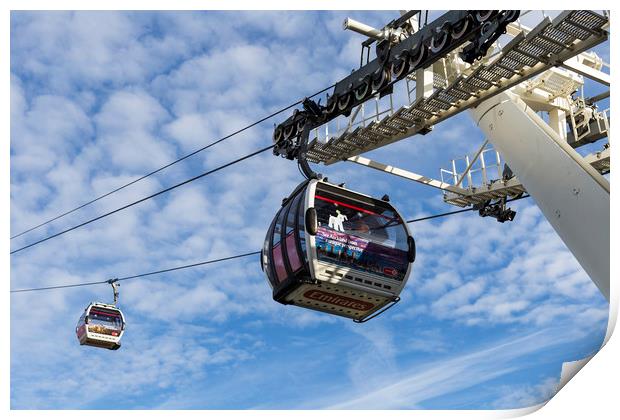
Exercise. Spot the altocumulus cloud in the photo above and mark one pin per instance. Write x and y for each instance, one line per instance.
(100, 98)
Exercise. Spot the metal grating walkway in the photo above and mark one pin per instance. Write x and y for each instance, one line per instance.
(547, 45)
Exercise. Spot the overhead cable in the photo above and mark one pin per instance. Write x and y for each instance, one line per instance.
(247, 127)
(182, 267)
(143, 199)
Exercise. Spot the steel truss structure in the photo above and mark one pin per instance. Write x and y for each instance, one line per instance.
(523, 95)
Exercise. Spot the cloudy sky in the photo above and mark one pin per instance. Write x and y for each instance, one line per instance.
(100, 98)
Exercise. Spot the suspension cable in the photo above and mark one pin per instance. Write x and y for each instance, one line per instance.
(247, 127)
(138, 275)
(145, 198)
(182, 267)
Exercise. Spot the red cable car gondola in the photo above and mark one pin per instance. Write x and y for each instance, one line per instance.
(337, 251)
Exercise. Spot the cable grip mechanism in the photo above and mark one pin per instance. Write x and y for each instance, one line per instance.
(115, 285)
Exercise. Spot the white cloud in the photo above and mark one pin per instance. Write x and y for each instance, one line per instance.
(69, 50)
(440, 283)
(454, 302)
(98, 99)
(447, 375)
(520, 269)
(126, 125)
(62, 123)
(526, 395)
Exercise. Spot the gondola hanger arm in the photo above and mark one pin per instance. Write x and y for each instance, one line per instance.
(115, 285)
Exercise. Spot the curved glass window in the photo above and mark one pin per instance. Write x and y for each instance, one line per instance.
(265, 256)
(104, 322)
(81, 320)
(301, 225)
(360, 233)
(278, 258)
(291, 246)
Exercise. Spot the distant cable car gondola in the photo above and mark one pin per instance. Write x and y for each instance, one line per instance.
(102, 324)
(337, 251)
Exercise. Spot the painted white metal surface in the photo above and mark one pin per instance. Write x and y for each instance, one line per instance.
(494, 185)
(363, 29)
(529, 55)
(504, 93)
(573, 196)
(574, 64)
(412, 176)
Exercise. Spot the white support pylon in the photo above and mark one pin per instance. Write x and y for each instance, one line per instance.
(572, 195)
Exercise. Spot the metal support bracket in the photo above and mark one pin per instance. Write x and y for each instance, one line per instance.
(496, 210)
(573, 64)
(360, 160)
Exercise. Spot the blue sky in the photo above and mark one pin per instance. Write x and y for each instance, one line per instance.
(99, 98)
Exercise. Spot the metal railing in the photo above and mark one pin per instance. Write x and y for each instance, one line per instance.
(473, 172)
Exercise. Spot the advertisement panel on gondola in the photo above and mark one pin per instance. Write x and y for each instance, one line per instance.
(360, 238)
(360, 254)
(105, 323)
